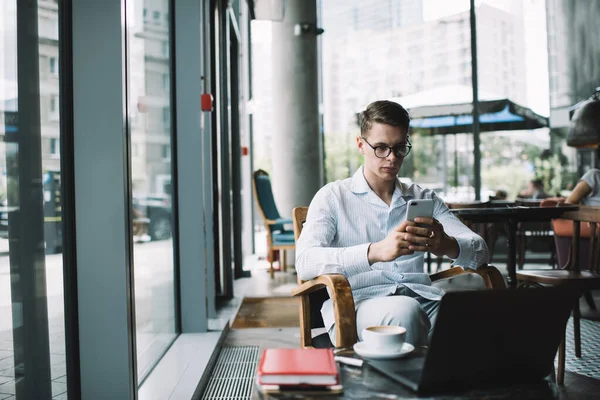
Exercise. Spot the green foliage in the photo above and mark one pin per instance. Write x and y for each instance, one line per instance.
(511, 177)
(549, 170)
(424, 155)
(341, 156)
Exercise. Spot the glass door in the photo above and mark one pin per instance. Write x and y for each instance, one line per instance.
(149, 109)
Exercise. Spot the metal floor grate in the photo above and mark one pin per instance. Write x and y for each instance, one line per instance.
(233, 375)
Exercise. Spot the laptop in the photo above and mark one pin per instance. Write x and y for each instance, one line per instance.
(487, 338)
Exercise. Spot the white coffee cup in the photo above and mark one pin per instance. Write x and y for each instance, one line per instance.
(384, 338)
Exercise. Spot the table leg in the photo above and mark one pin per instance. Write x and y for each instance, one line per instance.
(510, 226)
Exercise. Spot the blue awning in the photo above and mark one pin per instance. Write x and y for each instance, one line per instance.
(494, 115)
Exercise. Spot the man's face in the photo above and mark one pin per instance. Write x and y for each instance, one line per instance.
(384, 169)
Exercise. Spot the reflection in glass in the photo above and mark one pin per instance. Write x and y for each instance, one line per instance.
(32, 325)
(148, 89)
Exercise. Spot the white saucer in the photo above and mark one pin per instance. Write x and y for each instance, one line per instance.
(364, 351)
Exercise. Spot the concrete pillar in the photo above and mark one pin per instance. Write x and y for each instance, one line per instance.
(297, 147)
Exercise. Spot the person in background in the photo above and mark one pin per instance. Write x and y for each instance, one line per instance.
(587, 190)
(357, 227)
(534, 190)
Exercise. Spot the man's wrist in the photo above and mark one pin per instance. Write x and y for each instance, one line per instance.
(450, 247)
(372, 255)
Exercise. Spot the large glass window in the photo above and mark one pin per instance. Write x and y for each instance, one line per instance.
(149, 111)
(32, 324)
(418, 53)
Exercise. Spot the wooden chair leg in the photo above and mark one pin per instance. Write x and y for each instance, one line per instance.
(284, 268)
(560, 379)
(271, 269)
(576, 329)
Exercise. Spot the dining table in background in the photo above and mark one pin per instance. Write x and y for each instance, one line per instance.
(510, 216)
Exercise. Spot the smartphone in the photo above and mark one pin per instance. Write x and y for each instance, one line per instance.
(419, 208)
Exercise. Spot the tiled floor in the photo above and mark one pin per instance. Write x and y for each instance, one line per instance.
(8, 378)
(576, 387)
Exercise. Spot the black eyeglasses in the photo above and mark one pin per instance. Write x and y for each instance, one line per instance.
(383, 151)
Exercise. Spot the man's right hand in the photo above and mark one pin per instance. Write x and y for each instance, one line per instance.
(393, 246)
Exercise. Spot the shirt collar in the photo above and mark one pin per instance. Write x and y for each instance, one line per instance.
(359, 185)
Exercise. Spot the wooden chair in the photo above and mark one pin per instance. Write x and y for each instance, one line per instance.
(583, 276)
(539, 234)
(278, 237)
(313, 294)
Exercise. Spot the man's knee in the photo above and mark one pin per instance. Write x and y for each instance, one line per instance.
(395, 310)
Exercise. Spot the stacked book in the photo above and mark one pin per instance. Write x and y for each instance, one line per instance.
(301, 370)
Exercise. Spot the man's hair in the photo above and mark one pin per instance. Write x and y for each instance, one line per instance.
(383, 112)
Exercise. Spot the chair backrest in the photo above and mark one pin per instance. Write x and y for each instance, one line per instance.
(563, 237)
(591, 216)
(299, 218)
(318, 297)
(263, 192)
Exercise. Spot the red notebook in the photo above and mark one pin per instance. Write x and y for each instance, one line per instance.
(297, 367)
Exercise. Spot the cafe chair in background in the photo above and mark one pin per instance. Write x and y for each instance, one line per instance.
(278, 237)
(563, 237)
(313, 294)
(535, 236)
(583, 274)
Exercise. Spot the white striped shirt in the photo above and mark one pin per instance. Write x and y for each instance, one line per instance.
(346, 216)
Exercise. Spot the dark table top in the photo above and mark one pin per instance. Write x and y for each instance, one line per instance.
(520, 213)
(367, 383)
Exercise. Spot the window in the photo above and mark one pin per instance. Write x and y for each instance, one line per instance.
(54, 106)
(27, 329)
(167, 117)
(166, 152)
(54, 147)
(156, 308)
(53, 65)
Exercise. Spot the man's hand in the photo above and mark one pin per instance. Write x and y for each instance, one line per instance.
(396, 244)
(430, 236)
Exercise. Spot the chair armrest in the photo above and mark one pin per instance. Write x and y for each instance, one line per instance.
(281, 221)
(491, 276)
(447, 273)
(343, 305)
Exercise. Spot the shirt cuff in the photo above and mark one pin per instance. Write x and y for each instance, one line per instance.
(355, 259)
(465, 246)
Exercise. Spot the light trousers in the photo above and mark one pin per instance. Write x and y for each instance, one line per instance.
(416, 314)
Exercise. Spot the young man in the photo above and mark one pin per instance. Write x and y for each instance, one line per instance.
(357, 227)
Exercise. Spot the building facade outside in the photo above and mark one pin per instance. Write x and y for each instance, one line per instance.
(362, 65)
(574, 70)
